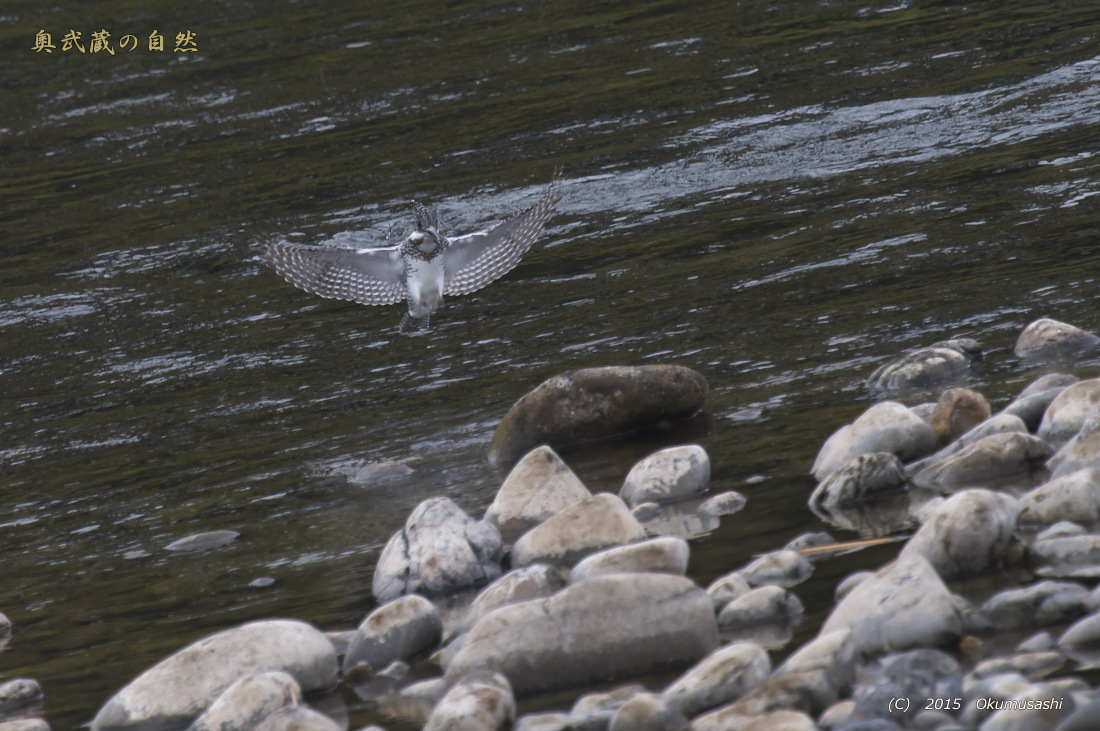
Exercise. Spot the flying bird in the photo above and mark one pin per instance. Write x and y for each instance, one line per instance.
(421, 269)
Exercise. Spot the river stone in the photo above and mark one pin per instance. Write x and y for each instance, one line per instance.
(600, 629)
(595, 523)
(668, 475)
(1080, 452)
(248, 701)
(904, 604)
(1074, 497)
(785, 568)
(17, 693)
(1083, 632)
(398, 630)
(863, 478)
(808, 691)
(440, 550)
(834, 655)
(725, 589)
(539, 486)
(1041, 707)
(1037, 605)
(1067, 556)
(1068, 412)
(724, 503)
(765, 607)
(380, 473)
(997, 424)
(916, 674)
(969, 533)
(595, 710)
(647, 712)
(5, 630)
(957, 411)
(180, 687)
(24, 724)
(1032, 665)
(480, 701)
(664, 555)
(203, 541)
(1047, 339)
(530, 582)
(885, 427)
(298, 718)
(721, 677)
(937, 365)
(993, 460)
(595, 403)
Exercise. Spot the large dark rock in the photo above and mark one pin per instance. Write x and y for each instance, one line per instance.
(593, 403)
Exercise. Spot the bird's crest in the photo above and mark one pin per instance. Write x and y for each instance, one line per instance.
(426, 218)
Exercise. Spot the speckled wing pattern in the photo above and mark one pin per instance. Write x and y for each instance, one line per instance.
(474, 260)
(366, 276)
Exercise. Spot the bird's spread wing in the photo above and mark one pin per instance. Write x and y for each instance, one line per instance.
(366, 276)
(474, 260)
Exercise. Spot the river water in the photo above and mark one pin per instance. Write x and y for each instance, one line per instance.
(780, 195)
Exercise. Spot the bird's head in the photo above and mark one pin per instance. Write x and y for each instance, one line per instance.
(427, 223)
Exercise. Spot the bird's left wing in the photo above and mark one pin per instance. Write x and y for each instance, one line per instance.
(474, 260)
(367, 276)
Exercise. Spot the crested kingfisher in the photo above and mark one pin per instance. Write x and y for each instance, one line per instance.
(421, 269)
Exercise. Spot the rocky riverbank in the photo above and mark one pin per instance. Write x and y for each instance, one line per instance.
(555, 588)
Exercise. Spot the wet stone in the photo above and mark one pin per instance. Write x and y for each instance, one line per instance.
(995, 460)
(885, 427)
(921, 673)
(721, 677)
(940, 364)
(18, 693)
(1050, 340)
(588, 526)
(784, 568)
(671, 474)
(664, 555)
(767, 615)
(1068, 412)
(957, 411)
(1037, 605)
(1074, 497)
(724, 503)
(969, 533)
(538, 487)
(863, 478)
(398, 630)
(481, 700)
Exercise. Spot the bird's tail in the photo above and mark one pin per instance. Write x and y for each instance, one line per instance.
(412, 324)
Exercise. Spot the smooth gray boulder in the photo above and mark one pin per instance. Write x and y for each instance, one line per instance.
(247, 702)
(440, 550)
(1074, 497)
(17, 694)
(725, 589)
(996, 424)
(664, 555)
(767, 615)
(183, 685)
(902, 605)
(603, 628)
(724, 503)
(1080, 452)
(538, 487)
(935, 366)
(668, 475)
(721, 677)
(480, 701)
(398, 630)
(518, 585)
(885, 427)
(863, 478)
(833, 655)
(1049, 340)
(1036, 605)
(968, 534)
(298, 718)
(596, 403)
(1069, 556)
(1068, 412)
(585, 527)
(784, 568)
(991, 461)
(919, 674)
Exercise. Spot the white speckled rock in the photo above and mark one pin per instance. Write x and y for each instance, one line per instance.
(539, 486)
(180, 687)
(885, 427)
(298, 718)
(664, 555)
(862, 478)
(440, 550)
(590, 525)
(647, 712)
(670, 474)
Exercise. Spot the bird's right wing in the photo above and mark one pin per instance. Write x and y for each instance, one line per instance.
(366, 276)
(474, 260)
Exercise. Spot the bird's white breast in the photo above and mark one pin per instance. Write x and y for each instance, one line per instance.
(425, 282)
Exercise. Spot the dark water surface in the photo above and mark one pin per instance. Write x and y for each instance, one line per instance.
(780, 195)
